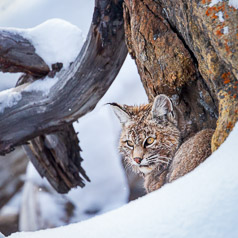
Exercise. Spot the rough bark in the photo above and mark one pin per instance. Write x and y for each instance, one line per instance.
(56, 156)
(78, 89)
(180, 49)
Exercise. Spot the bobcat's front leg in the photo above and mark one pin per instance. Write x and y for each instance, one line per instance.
(190, 154)
(155, 180)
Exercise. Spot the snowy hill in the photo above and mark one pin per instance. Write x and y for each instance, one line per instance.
(201, 204)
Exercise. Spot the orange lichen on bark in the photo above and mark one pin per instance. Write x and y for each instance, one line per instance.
(206, 1)
(230, 126)
(212, 11)
(228, 50)
(227, 81)
(218, 33)
(226, 77)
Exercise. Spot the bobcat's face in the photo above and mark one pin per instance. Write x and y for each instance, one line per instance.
(149, 138)
(147, 145)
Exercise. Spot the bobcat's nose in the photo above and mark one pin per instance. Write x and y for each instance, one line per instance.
(137, 160)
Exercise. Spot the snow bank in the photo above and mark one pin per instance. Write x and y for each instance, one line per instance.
(55, 40)
(201, 204)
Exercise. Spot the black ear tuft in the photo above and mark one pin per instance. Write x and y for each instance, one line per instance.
(120, 112)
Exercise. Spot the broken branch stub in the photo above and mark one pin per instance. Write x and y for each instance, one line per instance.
(17, 54)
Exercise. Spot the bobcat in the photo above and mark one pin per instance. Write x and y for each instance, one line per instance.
(151, 142)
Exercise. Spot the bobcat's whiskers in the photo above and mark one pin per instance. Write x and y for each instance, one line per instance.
(156, 158)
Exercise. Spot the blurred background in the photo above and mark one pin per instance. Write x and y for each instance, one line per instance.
(27, 202)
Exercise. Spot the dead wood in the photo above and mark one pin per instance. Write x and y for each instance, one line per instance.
(55, 150)
(77, 90)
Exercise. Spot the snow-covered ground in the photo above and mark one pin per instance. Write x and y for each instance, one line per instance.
(202, 204)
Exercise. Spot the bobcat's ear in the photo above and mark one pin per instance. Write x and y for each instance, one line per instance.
(162, 105)
(122, 115)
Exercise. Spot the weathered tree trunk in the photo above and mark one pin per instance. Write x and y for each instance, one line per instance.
(77, 90)
(55, 152)
(182, 50)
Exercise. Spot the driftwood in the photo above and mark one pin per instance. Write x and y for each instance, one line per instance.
(78, 89)
(76, 92)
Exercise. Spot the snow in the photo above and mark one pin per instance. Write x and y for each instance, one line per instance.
(226, 30)
(53, 37)
(43, 85)
(201, 204)
(9, 98)
(214, 2)
(232, 3)
(220, 15)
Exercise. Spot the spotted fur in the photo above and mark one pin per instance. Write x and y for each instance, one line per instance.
(155, 121)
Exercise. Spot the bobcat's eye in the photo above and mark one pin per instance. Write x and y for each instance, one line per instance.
(149, 141)
(130, 143)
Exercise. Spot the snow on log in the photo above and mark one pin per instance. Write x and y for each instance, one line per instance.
(77, 90)
(17, 54)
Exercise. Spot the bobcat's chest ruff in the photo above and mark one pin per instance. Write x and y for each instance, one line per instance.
(145, 169)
